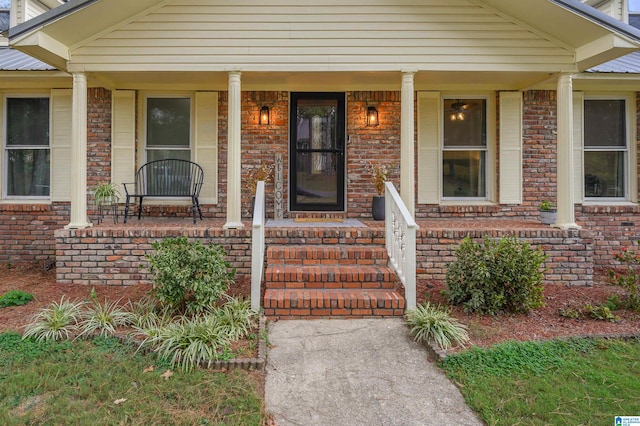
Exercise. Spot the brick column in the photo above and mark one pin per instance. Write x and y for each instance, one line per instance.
(566, 214)
(79, 154)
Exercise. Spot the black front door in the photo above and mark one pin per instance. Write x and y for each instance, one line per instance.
(317, 148)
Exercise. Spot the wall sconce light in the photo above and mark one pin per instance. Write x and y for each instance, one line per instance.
(265, 118)
(372, 116)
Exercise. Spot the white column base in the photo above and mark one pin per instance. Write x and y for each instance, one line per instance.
(78, 225)
(566, 226)
(233, 225)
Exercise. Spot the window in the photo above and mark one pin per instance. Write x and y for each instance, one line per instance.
(5, 6)
(634, 13)
(27, 147)
(606, 148)
(464, 149)
(168, 128)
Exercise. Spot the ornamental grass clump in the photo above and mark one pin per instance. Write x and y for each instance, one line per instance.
(188, 277)
(189, 341)
(429, 322)
(104, 318)
(56, 322)
(496, 276)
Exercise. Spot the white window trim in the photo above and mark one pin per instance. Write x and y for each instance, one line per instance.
(142, 140)
(13, 199)
(631, 186)
(490, 150)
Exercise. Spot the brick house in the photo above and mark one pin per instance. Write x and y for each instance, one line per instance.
(484, 107)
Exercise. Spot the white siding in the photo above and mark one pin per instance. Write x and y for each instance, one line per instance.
(429, 182)
(206, 144)
(61, 106)
(34, 9)
(290, 35)
(123, 145)
(511, 147)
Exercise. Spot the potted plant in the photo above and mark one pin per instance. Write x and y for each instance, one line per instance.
(106, 196)
(548, 213)
(379, 176)
(263, 173)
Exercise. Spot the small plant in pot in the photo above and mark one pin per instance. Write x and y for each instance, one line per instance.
(379, 176)
(548, 213)
(106, 194)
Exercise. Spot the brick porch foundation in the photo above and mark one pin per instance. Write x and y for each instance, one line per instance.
(114, 254)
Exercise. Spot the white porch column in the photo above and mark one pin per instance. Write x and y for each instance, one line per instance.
(79, 154)
(565, 205)
(234, 158)
(407, 142)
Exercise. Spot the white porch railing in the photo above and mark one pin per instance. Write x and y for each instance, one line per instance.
(257, 246)
(400, 237)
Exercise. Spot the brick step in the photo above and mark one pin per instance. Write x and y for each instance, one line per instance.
(327, 255)
(325, 303)
(330, 276)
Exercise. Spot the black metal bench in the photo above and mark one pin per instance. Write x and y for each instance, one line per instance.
(169, 178)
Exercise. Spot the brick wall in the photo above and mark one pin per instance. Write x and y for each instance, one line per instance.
(380, 144)
(118, 256)
(27, 231)
(569, 252)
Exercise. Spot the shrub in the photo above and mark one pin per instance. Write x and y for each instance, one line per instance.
(496, 276)
(430, 322)
(629, 278)
(15, 298)
(55, 322)
(189, 277)
(589, 311)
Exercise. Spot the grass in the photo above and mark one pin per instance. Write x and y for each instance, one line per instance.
(102, 381)
(559, 382)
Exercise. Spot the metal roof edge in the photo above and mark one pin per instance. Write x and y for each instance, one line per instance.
(600, 18)
(49, 16)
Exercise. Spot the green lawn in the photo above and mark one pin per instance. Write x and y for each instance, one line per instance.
(560, 382)
(104, 382)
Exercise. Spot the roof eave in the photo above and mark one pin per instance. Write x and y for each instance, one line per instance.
(600, 18)
(603, 50)
(52, 15)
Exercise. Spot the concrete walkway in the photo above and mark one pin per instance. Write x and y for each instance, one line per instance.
(356, 372)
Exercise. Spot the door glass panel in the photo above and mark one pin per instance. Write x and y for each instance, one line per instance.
(317, 178)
